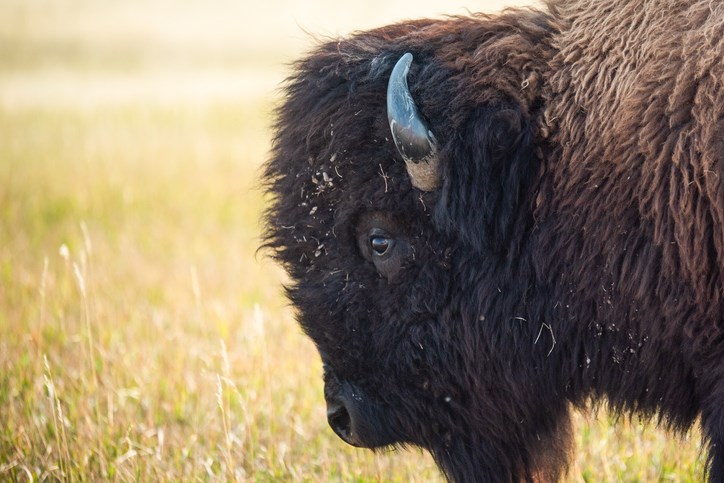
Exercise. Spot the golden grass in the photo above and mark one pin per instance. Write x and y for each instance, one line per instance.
(142, 337)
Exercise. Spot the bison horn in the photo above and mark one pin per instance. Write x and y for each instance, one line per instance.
(412, 137)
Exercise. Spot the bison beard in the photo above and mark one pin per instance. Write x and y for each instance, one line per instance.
(563, 243)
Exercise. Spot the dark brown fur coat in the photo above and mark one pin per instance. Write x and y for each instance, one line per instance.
(573, 253)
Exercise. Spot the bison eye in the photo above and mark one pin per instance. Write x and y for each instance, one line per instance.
(380, 244)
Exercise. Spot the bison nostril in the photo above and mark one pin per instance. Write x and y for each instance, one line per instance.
(355, 419)
(339, 419)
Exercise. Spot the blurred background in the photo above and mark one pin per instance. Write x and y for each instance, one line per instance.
(142, 335)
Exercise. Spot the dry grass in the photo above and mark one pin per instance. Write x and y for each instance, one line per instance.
(142, 337)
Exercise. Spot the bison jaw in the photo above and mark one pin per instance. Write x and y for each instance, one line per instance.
(413, 139)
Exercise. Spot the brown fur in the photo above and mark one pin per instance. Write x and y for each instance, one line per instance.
(635, 101)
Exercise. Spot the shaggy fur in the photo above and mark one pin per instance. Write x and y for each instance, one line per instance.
(574, 252)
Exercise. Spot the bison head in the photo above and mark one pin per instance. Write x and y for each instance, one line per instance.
(404, 174)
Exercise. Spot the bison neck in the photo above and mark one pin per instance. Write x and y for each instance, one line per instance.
(633, 156)
(624, 246)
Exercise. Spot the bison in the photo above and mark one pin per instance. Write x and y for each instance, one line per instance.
(489, 220)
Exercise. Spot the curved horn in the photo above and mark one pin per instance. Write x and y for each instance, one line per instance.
(412, 137)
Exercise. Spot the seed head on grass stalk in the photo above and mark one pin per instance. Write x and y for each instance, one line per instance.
(61, 439)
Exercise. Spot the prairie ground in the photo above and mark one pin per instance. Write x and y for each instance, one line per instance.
(142, 335)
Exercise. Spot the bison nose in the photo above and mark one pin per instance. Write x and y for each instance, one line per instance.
(340, 419)
(355, 418)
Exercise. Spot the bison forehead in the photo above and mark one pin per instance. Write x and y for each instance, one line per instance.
(347, 168)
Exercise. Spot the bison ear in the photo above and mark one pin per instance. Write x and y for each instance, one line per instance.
(489, 172)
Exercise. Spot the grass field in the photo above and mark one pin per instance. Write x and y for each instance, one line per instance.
(142, 336)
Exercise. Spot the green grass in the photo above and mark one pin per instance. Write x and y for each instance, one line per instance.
(142, 336)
